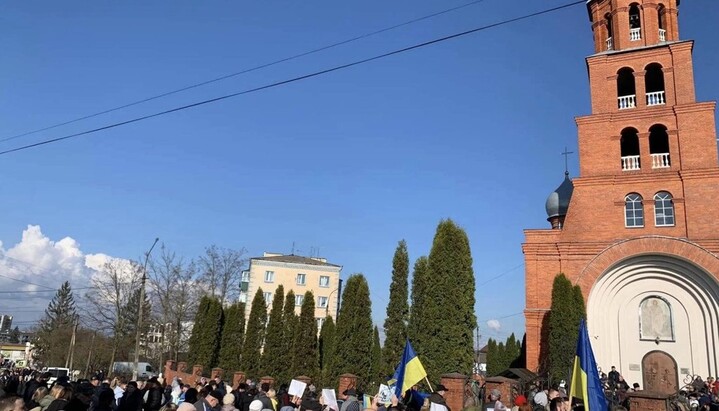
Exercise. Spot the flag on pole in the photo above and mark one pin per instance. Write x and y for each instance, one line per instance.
(409, 371)
(585, 378)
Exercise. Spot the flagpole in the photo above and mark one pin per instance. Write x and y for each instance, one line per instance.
(430, 385)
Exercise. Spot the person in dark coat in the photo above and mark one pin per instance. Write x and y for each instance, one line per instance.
(437, 397)
(212, 401)
(131, 399)
(154, 395)
(40, 380)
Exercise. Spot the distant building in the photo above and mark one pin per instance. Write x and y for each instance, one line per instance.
(5, 323)
(296, 273)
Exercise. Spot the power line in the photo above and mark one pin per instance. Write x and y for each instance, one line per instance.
(262, 66)
(26, 282)
(502, 274)
(295, 79)
(41, 291)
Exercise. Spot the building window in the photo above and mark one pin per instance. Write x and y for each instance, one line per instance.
(629, 150)
(633, 211)
(320, 322)
(626, 88)
(322, 302)
(269, 276)
(243, 298)
(663, 209)
(299, 299)
(268, 298)
(659, 146)
(654, 85)
(245, 276)
(301, 279)
(324, 281)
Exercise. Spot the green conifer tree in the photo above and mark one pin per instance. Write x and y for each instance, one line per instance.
(56, 326)
(449, 321)
(289, 322)
(566, 312)
(326, 346)
(273, 356)
(353, 348)
(395, 325)
(254, 336)
(417, 316)
(376, 368)
(492, 358)
(197, 335)
(233, 331)
(305, 357)
(207, 343)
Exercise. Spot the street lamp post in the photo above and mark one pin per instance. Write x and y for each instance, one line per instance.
(139, 310)
(329, 298)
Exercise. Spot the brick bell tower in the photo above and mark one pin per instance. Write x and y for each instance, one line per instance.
(638, 229)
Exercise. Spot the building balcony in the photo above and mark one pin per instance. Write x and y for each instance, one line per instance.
(626, 102)
(635, 34)
(630, 163)
(610, 44)
(660, 160)
(662, 35)
(657, 98)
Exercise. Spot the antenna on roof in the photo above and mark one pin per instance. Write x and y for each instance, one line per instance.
(293, 248)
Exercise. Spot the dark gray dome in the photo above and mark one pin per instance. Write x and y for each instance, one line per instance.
(558, 202)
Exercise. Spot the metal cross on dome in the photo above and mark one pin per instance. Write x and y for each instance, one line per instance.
(566, 160)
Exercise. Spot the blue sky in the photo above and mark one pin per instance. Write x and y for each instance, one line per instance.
(350, 163)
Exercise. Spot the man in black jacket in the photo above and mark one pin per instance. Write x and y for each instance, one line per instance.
(40, 380)
(154, 395)
(437, 397)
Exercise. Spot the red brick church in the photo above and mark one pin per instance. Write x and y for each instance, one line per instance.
(638, 229)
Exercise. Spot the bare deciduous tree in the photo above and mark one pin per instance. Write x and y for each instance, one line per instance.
(175, 289)
(222, 271)
(113, 287)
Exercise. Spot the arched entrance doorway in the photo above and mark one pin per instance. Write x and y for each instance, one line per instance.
(652, 310)
(660, 373)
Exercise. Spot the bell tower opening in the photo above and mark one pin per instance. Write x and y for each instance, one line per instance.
(626, 88)
(654, 83)
(635, 23)
(629, 143)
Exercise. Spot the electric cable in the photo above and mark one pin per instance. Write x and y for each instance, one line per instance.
(294, 79)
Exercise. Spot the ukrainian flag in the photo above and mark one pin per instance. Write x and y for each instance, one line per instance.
(585, 377)
(409, 371)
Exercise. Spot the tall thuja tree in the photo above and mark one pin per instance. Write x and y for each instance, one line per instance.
(197, 335)
(289, 323)
(566, 312)
(233, 331)
(448, 311)
(353, 348)
(207, 333)
(493, 359)
(377, 376)
(395, 325)
(56, 326)
(305, 359)
(254, 335)
(417, 316)
(273, 356)
(326, 349)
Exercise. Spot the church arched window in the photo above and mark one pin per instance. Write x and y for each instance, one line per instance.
(629, 149)
(610, 31)
(654, 84)
(635, 23)
(626, 88)
(633, 211)
(659, 146)
(663, 209)
(655, 319)
(662, 13)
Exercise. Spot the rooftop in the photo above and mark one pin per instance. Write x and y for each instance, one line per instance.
(295, 259)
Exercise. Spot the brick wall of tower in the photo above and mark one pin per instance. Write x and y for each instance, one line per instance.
(594, 236)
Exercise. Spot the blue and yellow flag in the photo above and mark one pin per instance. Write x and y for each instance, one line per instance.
(585, 377)
(409, 371)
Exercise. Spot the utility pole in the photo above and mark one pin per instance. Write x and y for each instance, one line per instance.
(89, 356)
(139, 310)
(71, 353)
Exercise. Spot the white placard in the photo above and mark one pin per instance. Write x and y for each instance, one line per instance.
(385, 394)
(330, 398)
(297, 388)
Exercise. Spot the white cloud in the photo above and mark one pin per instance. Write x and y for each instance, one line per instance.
(494, 325)
(39, 260)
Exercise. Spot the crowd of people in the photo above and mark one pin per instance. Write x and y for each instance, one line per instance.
(26, 390)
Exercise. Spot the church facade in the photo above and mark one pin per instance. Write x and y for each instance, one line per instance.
(638, 229)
